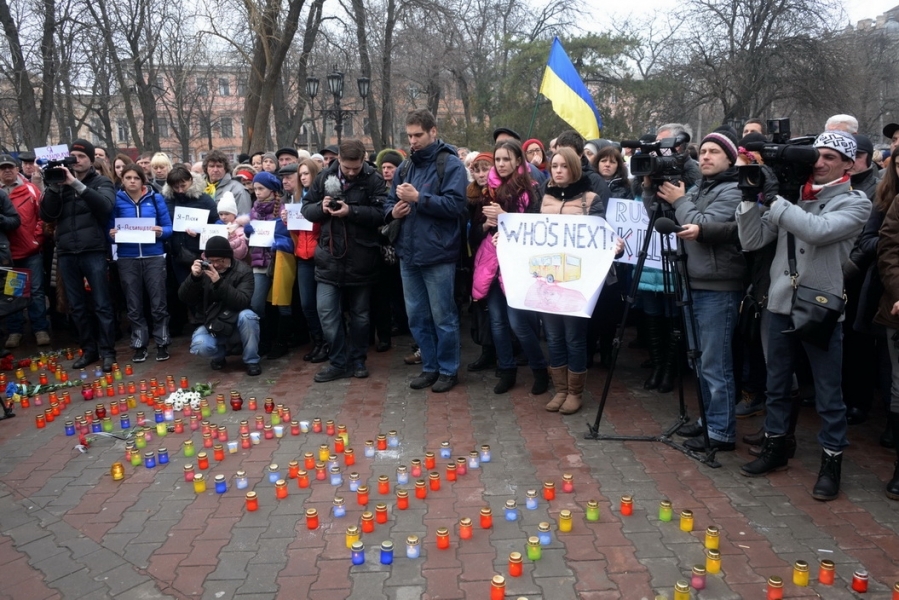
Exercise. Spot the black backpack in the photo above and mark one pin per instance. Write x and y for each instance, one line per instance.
(441, 167)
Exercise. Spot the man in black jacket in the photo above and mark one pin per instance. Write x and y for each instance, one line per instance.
(80, 207)
(222, 287)
(347, 198)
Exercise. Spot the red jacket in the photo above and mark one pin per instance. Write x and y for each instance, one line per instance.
(29, 237)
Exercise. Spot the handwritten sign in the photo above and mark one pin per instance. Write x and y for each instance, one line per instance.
(629, 220)
(135, 231)
(210, 231)
(52, 152)
(263, 234)
(189, 218)
(295, 219)
(554, 263)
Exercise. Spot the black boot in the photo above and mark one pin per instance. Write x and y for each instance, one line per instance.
(672, 359)
(828, 485)
(791, 445)
(486, 361)
(316, 347)
(888, 438)
(655, 340)
(282, 338)
(772, 458)
(506, 381)
(322, 353)
(893, 485)
(541, 381)
(755, 439)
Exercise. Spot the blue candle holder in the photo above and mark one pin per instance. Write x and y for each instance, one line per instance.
(163, 456)
(386, 552)
(358, 553)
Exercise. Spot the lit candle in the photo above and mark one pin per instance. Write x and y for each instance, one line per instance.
(712, 562)
(163, 456)
(485, 454)
(221, 486)
(252, 502)
(150, 460)
(382, 441)
(465, 528)
(681, 590)
(592, 510)
(393, 440)
(352, 535)
(188, 473)
(461, 466)
(697, 580)
(712, 537)
(627, 506)
(402, 475)
(421, 490)
(336, 476)
(368, 522)
(443, 542)
(358, 553)
(498, 587)
(511, 511)
(413, 549)
(486, 518)
(349, 457)
(515, 567)
(530, 502)
(473, 462)
(451, 472)
(339, 508)
(311, 518)
(240, 480)
(544, 534)
(434, 481)
(386, 552)
(686, 520)
(199, 483)
(354, 481)
(826, 572)
(565, 521)
(549, 491)
(281, 489)
(775, 588)
(860, 581)
(446, 450)
(383, 485)
(362, 495)
(665, 511)
(273, 473)
(402, 499)
(800, 573)
(534, 550)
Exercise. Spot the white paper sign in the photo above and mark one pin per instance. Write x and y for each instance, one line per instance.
(52, 152)
(554, 263)
(135, 231)
(189, 218)
(212, 231)
(295, 219)
(263, 234)
(629, 220)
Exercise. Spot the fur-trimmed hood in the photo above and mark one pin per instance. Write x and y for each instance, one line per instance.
(196, 189)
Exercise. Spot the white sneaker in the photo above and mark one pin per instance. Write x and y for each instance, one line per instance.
(43, 338)
(14, 340)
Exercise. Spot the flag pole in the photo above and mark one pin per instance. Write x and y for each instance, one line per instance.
(533, 117)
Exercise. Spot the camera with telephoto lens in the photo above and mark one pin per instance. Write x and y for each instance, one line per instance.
(54, 171)
(792, 162)
(660, 160)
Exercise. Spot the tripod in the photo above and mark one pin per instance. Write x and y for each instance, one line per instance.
(676, 282)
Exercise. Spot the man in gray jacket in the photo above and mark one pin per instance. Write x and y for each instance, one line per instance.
(218, 181)
(824, 222)
(716, 268)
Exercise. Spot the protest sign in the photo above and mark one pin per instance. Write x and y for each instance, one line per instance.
(212, 231)
(189, 218)
(629, 220)
(554, 263)
(51, 152)
(263, 234)
(295, 219)
(135, 231)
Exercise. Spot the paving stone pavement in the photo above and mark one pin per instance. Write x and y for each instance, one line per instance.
(70, 531)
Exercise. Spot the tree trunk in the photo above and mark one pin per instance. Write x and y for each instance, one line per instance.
(365, 67)
(21, 78)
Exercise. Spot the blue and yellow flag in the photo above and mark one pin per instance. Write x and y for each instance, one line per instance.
(569, 96)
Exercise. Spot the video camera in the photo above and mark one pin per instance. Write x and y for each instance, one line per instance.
(791, 159)
(54, 171)
(651, 159)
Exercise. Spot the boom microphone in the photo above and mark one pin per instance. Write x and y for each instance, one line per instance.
(664, 225)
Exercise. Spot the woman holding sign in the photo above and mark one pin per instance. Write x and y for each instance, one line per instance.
(141, 214)
(509, 189)
(568, 193)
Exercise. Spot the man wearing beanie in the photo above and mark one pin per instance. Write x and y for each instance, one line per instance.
(80, 207)
(222, 288)
(863, 175)
(821, 226)
(716, 268)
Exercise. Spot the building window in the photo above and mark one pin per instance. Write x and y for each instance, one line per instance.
(122, 130)
(159, 86)
(202, 87)
(348, 129)
(96, 128)
(205, 127)
(366, 126)
(241, 86)
(163, 127)
(227, 127)
(224, 87)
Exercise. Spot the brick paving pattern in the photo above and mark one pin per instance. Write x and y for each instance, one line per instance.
(67, 530)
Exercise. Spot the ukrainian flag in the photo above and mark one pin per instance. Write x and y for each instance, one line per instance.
(569, 96)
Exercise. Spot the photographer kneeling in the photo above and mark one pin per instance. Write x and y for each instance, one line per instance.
(821, 226)
(715, 267)
(224, 286)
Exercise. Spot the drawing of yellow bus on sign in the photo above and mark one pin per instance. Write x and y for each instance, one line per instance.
(556, 267)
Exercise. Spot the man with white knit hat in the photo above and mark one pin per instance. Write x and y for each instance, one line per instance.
(823, 225)
(716, 270)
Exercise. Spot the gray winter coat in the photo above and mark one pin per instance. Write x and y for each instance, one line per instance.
(713, 263)
(241, 195)
(825, 230)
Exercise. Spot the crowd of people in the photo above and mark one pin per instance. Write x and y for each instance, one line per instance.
(365, 247)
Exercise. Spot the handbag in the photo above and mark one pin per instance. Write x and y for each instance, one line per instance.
(749, 322)
(224, 324)
(814, 314)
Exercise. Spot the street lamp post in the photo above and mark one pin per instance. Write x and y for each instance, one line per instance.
(335, 111)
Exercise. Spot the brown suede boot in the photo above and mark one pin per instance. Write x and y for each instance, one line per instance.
(575, 397)
(560, 383)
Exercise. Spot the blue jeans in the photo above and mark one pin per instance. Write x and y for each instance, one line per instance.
(826, 373)
(347, 343)
(206, 345)
(503, 321)
(306, 285)
(433, 318)
(95, 335)
(262, 283)
(716, 319)
(37, 310)
(566, 338)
